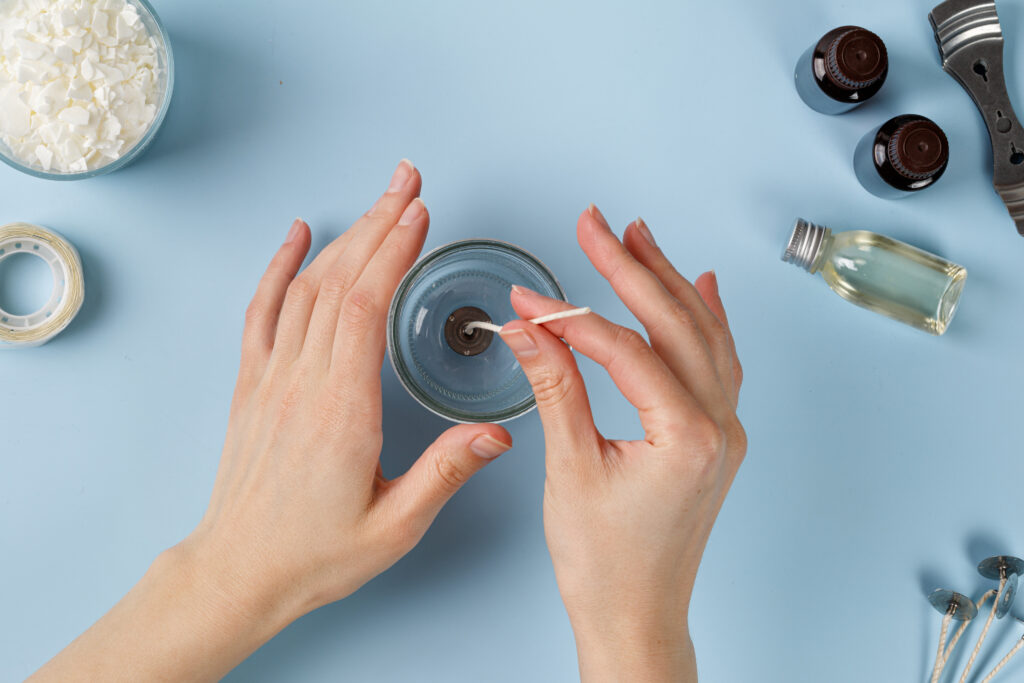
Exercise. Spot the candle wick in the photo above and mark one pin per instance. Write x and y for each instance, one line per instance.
(472, 327)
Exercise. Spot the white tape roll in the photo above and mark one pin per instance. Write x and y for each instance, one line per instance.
(19, 331)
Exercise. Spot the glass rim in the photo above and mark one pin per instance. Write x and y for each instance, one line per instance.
(144, 142)
(400, 367)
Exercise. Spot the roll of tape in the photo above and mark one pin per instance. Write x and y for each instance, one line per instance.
(20, 331)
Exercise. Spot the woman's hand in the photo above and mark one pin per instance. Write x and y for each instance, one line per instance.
(300, 505)
(300, 514)
(627, 521)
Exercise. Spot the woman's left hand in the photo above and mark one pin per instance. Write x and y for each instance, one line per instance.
(301, 514)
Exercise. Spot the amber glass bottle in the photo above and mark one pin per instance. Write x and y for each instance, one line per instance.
(843, 70)
(905, 155)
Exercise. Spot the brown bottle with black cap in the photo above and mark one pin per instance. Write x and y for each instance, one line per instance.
(905, 155)
(843, 70)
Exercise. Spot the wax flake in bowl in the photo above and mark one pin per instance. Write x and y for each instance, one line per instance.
(80, 82)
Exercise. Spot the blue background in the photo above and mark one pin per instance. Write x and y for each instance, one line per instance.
(883, 462)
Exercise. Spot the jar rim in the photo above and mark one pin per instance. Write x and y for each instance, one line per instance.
(399, 365)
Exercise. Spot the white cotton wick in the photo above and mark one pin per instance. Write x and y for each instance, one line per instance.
(984, 631)
(536, 321)
(940, 662)
(999, 667)
(964, 625)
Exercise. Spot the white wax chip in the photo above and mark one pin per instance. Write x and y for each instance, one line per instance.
(24, 71)
(45, 157)
(29, 49)
(100, 23)
(15, 116)
(79, 89)
(122, 29)
(131, 17)
(111, 74)
(76, 116)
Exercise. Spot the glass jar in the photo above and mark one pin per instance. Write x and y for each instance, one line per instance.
(464, 376)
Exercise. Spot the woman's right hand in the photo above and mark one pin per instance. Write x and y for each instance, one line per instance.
(627, 521)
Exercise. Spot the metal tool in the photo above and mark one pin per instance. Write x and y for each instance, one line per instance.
(971, 47)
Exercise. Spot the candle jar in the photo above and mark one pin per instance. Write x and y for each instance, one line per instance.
(459, 375)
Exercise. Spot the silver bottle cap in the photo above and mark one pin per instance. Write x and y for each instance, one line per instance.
(805, 244)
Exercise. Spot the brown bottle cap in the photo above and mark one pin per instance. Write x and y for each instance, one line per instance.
(919, 149)
(856, 59)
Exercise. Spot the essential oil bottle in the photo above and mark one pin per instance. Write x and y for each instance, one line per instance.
(880, 274)
(905, 155)
(843, 70)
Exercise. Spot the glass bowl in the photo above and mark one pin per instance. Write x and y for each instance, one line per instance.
(464, 377)
(165, 63)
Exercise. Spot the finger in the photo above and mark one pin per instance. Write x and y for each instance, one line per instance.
(368, 235)
(714, 326)
(674, 329)
(324, 283)
(418, 495)
(707, 285)
(263, 312)
(639, 373)
(401, 190)
(562, 401)
(359, 340)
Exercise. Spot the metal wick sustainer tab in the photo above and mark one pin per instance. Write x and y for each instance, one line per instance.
(971, 46)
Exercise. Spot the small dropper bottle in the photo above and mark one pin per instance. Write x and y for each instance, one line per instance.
(843, 70)
(880, 274)
(905, 155)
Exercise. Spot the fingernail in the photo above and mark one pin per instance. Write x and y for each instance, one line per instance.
(596, 213)
(295, 231)
(520, 342)
(645, 231)
(487, 447)
(412, 212)
(714, 279)
(516, 289)
(402, 175)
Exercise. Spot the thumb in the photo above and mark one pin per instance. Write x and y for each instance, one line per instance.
(444, 467)
(558, 387)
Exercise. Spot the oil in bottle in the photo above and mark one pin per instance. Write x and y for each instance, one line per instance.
(881, 274)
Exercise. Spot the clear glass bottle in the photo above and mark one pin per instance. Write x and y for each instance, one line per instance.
(841, 71)
(880, 274)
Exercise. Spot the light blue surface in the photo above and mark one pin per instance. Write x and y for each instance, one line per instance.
(883, 462)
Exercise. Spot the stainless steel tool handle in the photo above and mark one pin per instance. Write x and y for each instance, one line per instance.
(970, 42)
